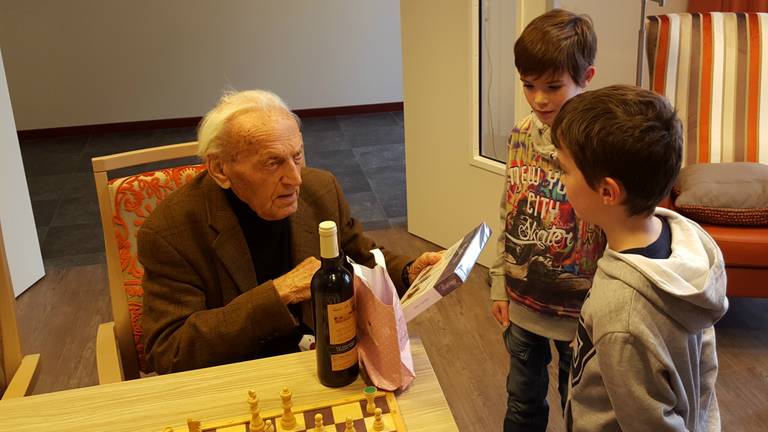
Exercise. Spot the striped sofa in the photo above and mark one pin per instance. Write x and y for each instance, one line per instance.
(713, 67)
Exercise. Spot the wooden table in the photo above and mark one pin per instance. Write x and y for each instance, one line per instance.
(215, 393)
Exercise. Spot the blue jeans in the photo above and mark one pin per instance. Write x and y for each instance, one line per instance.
(528, 379)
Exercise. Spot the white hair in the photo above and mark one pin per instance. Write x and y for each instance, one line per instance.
(209, 132)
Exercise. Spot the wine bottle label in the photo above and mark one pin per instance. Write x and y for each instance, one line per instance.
(344, 360)
(342, 326)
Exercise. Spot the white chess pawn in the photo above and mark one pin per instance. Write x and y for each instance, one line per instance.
(319, 423)
(378, 423)
(350, 427)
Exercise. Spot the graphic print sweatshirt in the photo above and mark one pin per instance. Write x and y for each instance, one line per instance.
(546, 254)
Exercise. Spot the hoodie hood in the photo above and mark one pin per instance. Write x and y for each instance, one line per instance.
(689, 286)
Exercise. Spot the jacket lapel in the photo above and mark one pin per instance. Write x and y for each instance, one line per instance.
(305, 241)
(229, 243)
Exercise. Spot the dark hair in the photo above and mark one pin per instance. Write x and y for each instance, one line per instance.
(626, 133)
(556, 42)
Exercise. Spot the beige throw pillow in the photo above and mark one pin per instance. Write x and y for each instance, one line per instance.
(733, 193)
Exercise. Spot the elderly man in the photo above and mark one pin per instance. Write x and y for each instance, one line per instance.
(228, 258)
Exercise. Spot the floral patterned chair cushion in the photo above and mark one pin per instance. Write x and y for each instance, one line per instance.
(134, 198)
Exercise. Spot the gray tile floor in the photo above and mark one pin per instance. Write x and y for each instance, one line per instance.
(365, 152)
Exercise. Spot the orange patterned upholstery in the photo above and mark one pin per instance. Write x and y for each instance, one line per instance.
(134, 198)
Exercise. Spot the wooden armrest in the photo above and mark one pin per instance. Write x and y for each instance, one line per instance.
(108, 362)
(23, 377)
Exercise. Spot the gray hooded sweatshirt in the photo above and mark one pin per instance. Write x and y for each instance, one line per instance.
(645, 355)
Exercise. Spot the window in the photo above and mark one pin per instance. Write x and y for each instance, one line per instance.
(499, 84)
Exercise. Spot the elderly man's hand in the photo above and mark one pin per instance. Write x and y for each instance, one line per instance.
(425, 260)
(293, 287)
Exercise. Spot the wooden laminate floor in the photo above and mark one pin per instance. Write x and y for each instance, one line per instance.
(59, 316)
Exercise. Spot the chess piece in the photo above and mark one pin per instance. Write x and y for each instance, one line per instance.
(319, 423)
(257, 423)
(378, 423)
(288, 420)
(370, 395)
(350, 427)
(268, 426)
(193, 425)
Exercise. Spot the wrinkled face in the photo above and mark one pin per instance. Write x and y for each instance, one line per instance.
(547, 94)
(263, 164)
(587, 202)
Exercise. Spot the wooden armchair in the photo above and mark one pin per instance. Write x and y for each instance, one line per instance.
(711, 67)
(17, 371)
(124, 203)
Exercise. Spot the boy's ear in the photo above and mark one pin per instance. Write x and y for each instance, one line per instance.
(611, 191)
(589, 74)
(215, 166)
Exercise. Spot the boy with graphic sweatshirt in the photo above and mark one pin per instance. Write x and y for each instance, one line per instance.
(645, 355)
(546, 254)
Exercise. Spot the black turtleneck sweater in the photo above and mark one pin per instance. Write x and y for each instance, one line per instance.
(269, 243)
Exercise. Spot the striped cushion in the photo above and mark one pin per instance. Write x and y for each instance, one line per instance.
(713, 67)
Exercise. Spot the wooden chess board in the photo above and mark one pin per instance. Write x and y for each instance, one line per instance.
(334, 413)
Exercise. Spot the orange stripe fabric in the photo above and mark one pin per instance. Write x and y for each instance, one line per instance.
(728, 5)
(704, 5)
(705, 87)
(753, 95)
(662, 51)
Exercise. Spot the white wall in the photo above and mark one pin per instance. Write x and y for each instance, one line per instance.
(18, 225)
(617, 23)
(82, 62)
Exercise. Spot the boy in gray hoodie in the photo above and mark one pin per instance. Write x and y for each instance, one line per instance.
(645, 355)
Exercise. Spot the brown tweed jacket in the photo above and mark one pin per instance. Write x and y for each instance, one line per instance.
(203, 305)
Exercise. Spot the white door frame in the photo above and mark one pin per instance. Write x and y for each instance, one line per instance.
(451, 188)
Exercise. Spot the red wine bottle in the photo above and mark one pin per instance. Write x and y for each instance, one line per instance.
(334, 311)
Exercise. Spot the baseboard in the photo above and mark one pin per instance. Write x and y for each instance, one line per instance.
(193, 121)
(349, 110)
